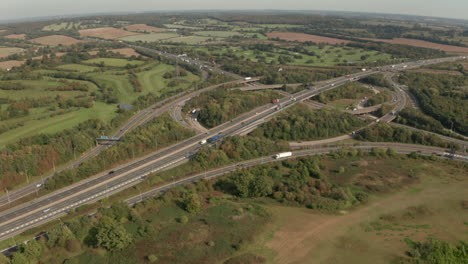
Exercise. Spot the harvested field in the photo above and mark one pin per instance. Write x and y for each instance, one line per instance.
(301, 37)
(143, 28)
(9, 64)
(124, 51)
(15, 36)
(106, 33)
(55, 40)
(423, 44)
(7, 51)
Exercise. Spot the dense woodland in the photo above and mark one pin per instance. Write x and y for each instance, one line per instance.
(221, 105)
(387, 133)
(302, 123)
(441, 96)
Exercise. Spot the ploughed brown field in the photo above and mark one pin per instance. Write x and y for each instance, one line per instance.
(143, 28)
(301, 37)
(423, 44)
(9, 64)
(55, 40)
(15, 36)
(106, 33)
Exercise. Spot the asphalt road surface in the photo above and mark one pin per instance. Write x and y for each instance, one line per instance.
(58, 203)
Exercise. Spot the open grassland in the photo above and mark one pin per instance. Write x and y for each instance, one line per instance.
(423, 44)
(143, 28)
(16, 36)
(10, 64)
(151, 37)
(176, 26)
(113, 62)
(7, 51)
(56, 40)
(374, 233)
(106, 33)
(42, 122)
(301, 37)
(40, 88)
(152, 80)
(61, 26)
(77, 67)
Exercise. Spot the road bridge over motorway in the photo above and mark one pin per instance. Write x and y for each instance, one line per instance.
(58, 203)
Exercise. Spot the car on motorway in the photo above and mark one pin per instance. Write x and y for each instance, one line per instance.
(38, 185)
(111, 172)
(46, 210)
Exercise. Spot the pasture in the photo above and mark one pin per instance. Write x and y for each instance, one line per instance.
(189, 40)
(77, 67)
(15, 36)
(7, 51)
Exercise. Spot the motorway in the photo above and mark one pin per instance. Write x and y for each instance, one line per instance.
(58, 203)
(397, 147)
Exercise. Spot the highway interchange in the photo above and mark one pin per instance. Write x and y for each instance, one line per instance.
(49, 207)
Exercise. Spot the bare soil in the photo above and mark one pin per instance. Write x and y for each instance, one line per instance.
(307, 236)
(9, 64)
(301, 37)
(423, 44)
(15, 36)
(106, 33)
(55, 40)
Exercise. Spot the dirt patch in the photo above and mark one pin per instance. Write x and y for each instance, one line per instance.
(106, 33)
(455, 73)
(301, 37)
(10, 64)
(16, 36)
(55, 40)
(423, 44)
(124, 51)
(306, 236)
(143, 28)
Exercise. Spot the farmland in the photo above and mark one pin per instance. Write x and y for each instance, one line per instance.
(9, 64)
(77, 67)
(56, 40)
(143, 28)
(328, 55)
(106, 33)
(16, 36)
(424, 44)
(151, 37)
(6, 51)
(189, 40)
(301, 37)
(62, 26)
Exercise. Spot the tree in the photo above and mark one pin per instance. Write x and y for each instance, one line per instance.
(33, 249)
(112, 235)
(192, 203)
(19, 258)
(261, 186)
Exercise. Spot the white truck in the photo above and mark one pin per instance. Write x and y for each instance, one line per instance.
(247, 78)
(283, 155)
(203, 142)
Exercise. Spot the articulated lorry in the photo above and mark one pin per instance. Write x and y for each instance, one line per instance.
(282, 155)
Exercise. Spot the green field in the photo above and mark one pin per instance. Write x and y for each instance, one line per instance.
(57, 123)
(37, 89)
(6, 51)
(61, 26)
(217, 34)
(191, 40)
(151, 37)
(113, 62)
(180, 26)
(77, 67)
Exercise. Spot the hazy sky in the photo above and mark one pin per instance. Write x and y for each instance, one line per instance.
(12, 9)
